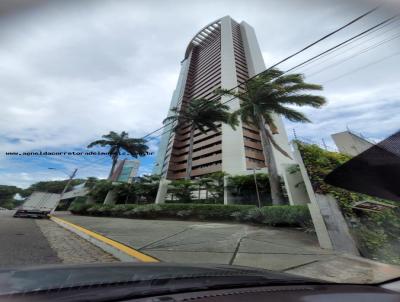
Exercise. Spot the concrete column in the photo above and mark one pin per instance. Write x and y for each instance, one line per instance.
(337, 226)
(233, 155)
(315, 211)
(295, 187)
(226, 193)
(162, 191)
(111, 198)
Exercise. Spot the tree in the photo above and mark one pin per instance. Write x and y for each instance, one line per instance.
(7, 196)
(147, 187)
(204, 183)
(182, 189)
(117, 142)
(91, 182)
(100, 189)
(243, 186)
(217, 186)
(56, 186)
(265, 95)
(201, 114)
(126, 193)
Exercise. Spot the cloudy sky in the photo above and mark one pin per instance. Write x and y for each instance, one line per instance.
(70, 72)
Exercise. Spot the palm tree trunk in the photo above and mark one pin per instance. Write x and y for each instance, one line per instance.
(189, 160)
(114, 162)
(273, 177)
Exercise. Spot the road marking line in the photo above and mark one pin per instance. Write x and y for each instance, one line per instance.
(119, 246)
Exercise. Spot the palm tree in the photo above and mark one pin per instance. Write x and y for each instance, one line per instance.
(134, 146)
(265, 95)
(201, 114)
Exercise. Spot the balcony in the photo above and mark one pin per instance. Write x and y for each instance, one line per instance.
(256, 145)
(207, 160)
(206, 170)
(215, 139)
(254, 165)
(211, 149)
(251, 134)
(177, 167)
(253, 154)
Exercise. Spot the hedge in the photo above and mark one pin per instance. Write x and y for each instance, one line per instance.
(292, 216)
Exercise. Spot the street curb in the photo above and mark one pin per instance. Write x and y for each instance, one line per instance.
(118, 250)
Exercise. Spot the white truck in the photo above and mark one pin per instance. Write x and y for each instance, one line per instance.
(38, 205)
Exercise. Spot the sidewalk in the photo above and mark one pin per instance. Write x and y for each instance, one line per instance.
(280, 249)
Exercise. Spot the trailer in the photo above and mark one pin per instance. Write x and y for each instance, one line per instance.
(38, 205)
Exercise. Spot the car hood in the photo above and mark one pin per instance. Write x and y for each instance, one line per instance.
(51, 277)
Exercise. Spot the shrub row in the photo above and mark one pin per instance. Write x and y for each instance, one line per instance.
(293, 216)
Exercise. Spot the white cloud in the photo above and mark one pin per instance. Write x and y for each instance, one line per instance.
(72, 72)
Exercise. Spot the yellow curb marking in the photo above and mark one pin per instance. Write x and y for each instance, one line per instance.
(122, 247)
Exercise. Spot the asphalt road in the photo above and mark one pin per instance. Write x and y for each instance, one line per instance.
(22, 243)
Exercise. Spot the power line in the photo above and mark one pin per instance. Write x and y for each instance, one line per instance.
(356, 54)
(313, 58)
(97, 161)
(362, 67)
(346, 50)
(326, 36)
(283, 60)
(342, 43)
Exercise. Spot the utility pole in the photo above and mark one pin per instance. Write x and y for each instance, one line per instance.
(295, 134)
(68, 183)
(323, 142)
(255, 182)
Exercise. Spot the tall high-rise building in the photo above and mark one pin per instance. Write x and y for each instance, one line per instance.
(222, 54)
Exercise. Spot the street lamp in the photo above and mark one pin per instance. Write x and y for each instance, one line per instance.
(255, 182)
(70, 177)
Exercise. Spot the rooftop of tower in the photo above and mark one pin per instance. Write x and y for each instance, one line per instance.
(203, 34)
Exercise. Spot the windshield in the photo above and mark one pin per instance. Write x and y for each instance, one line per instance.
(256, 134)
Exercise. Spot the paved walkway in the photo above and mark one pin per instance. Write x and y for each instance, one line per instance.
(280, 249)
(204, 242)
(69, 247)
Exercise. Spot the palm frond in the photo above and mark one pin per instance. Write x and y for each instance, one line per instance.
(315, 101)
(100, 142)
(291, 114)
(293, 78)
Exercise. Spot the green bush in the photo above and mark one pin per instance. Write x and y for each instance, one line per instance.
(198, 201)
(286, 215)
(79, 208)
(293, 216)
(146, 211)
(119, 209)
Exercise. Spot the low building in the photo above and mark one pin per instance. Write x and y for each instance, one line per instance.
(350, 143)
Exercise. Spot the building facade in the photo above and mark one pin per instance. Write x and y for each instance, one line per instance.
(223, 54)
(350, 143)
(125, 170)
